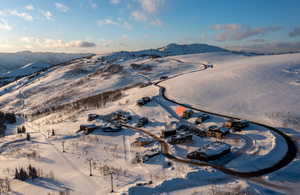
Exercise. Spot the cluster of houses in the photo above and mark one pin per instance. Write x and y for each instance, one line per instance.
(173, 128)
(111, 122)
(182, 132)
(174, 132)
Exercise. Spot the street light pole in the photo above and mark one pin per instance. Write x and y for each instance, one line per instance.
(63, 146)
(111, 181)
(91, 167)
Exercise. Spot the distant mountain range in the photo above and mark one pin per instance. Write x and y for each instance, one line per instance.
(12, 61)
(169, 50)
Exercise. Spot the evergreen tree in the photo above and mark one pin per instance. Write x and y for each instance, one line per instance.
(28, 137)
(17, 174)
(23, 129)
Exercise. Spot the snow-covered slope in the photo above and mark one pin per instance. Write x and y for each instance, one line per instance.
(265, 88)
(82, 78)
(257, 87)
(28, 69)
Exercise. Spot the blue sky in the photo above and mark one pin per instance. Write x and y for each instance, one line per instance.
(111, 25)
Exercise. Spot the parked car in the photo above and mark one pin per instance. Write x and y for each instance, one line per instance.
(143, 101)
(142, 122)
(200, 119)
(209, 66)
(163, 77)
(92, 117)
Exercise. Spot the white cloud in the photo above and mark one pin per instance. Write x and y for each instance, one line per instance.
(295, 32)
(29, 7)
(61, 7)
(232, 27)
(22, 15)
(114, 1)
(92, 4)
(81, 44)
(139, 16)
(151, 5)
(237, 32)
(127, 25)
(270, 47)
(119, 22)
(107, 21)
(47, 14)
(124, 37)
(156, 22)
(4, 25)
(46, 43)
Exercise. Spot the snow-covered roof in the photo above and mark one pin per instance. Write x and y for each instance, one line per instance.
(214, 148)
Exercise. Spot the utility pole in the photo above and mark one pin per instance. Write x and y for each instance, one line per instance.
(111, 182)
(90, 160)
(124, 145)
(63, 146)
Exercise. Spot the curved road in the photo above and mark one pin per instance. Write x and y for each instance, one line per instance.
(287, 158)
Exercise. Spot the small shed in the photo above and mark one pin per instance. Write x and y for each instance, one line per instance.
(88, 128)
(201, 118)
(211, 151)
(187, 114)
(180, 138)
(236, 124)
(142, 141)
(218, 132)
(170, 129)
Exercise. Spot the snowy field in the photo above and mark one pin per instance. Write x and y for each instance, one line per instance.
(262, 88)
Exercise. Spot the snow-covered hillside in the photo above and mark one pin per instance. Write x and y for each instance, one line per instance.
(59, 101)
(28, 69)
(81, 79)
(263, 88)
(250, 86)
